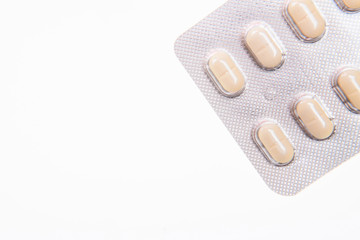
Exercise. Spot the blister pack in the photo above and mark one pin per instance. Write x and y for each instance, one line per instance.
(284, 77)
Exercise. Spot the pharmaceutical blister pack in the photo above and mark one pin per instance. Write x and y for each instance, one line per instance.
(284, 77)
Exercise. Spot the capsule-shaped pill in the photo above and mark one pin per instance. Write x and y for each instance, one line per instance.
(305, 19)
(349, 5)
(274, 144)
(313, 117)
(264, 46)
(225, 74)
(347, 85)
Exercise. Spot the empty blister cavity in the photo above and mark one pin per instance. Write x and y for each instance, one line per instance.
(346, 83)
(305, 19)
(225, 73)
(274, 143)
(349, 5)
(264, 46)
(313, 117)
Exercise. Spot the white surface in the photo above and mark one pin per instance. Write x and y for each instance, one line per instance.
(102, 136)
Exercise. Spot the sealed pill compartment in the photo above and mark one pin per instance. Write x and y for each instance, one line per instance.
(349, 5)
(346, 84)
(313, 117)
(225, 73)
(305, 19)
(264, 45)
(273, 142)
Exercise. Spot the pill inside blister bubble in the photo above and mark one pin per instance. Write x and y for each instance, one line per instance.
(264, 46)
(225, 73)
(346, 84)
(313, 117)
(305, 19)
(349, 5)
(273, 143)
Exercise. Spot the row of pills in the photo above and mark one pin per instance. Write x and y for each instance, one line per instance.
(261, 41)
(311, 115)
(230, 80)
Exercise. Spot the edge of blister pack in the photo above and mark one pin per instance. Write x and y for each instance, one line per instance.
(311, 67)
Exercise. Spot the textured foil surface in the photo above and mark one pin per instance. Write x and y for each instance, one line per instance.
(309, 67)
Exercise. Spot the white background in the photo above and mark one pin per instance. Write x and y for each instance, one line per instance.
(103, 135)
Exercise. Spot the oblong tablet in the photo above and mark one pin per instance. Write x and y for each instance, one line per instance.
(347, 85)
(349, 5)
(225, 73)
(264, 46)
(313, 117)
(274, 144)
(305, 19)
